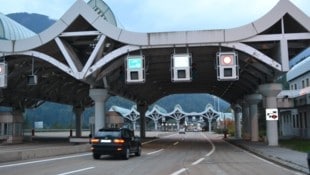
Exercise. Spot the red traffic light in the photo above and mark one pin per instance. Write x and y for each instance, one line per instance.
(227, 59)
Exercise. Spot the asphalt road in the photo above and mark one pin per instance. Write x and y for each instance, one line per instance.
(192, 153)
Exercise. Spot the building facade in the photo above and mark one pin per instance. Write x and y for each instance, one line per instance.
(295, 112)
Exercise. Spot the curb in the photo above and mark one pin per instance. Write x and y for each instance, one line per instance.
(42, 152)
(276, 160)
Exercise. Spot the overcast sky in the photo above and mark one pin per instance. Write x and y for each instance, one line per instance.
(163, 15)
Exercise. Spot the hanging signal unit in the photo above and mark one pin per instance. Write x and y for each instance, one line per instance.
(3, 74)
(227, 66)
(135, 69)
(181, 67)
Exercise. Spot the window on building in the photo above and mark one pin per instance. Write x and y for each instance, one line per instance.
(297, 121)
(307, 82)
(303, 83)
(7, 129)
(0, 129)
(294, 121)
(300, 120)
(306, 120)
(295, 85)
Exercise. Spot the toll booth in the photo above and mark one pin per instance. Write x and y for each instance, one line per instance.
(11, 127)
(114, 120)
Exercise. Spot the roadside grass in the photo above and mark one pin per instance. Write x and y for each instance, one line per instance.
(302, 145)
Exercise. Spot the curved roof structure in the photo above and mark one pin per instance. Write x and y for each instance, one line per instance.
(299, 69)
(11, 30)
(82, 51)
(103, 10)
(157, 113)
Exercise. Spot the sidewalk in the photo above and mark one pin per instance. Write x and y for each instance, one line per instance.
(292, 159)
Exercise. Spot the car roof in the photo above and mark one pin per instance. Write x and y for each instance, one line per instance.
(112, 129)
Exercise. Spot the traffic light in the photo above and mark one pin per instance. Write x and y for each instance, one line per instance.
(3, 74)
(135, 71)
(227, 66)
(181, 69)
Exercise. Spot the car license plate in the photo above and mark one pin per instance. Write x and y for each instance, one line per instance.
(105, 141)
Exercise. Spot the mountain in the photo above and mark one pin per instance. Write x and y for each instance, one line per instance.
(63, 117)
(35, 22)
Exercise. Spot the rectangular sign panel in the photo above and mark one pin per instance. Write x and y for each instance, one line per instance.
(272, 114)
(181, 60)
(135, 63)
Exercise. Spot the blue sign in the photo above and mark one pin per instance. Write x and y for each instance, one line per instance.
(134, 62)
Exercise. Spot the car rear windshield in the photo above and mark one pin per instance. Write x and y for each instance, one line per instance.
(108, 134)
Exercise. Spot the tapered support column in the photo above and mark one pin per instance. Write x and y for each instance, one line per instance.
(270, 92)
(253, 100)
(238, 113)
(78, 120)
(99, 96)
(142, 108)
(246, 122)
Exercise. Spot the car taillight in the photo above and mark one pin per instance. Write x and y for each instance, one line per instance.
(119, 141)
(94, 141)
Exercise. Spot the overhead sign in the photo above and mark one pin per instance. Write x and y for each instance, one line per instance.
(181, 60)
(135, 72)
(272, 114)
(135, 62)
(3, 75)
(181, 67)
(227, 66)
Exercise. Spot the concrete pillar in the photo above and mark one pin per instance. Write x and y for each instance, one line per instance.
(78, 120)
(99, 96)
(134, 125)
(253, 100)
(238, 114)
(142, 108)
(156, 125)
(246, 122)
(270, 92)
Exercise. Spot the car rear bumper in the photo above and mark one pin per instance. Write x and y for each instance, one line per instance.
(108, 150)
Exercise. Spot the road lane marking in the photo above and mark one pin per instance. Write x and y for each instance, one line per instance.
(156, 139)
(154, 152)
(198, 161)
(179, 172)
(213, 146)
(76, 171)
(176, 143)
(44, 160)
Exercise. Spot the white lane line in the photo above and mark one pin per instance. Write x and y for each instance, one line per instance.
(156, 139)
(44, 160)
(154, 152)
(76, 171)
(150, 141)
(213, 146)
(179, 172)
(176, 143)
(198, 161)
